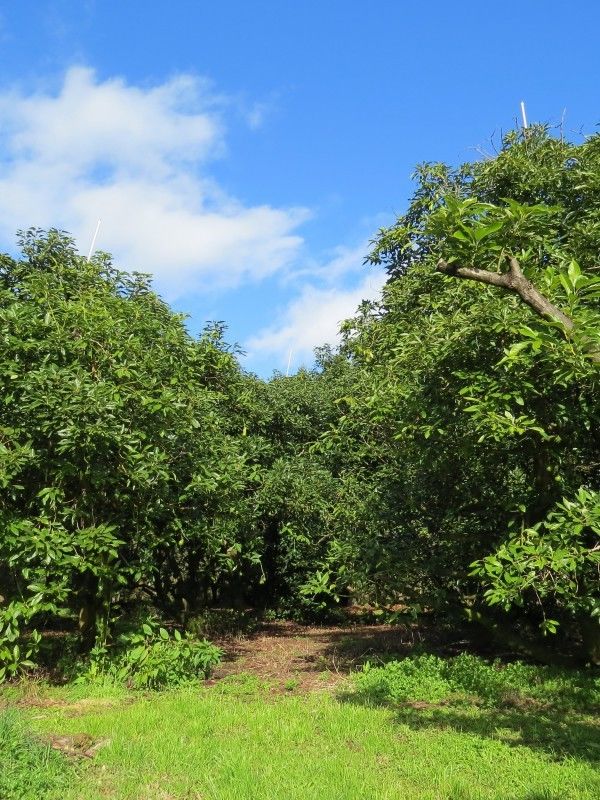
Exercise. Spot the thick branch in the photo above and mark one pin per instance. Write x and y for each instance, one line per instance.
(515, 281)
(512, 281)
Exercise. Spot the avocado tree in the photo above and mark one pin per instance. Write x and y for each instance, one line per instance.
(477, 428)
(117, 472)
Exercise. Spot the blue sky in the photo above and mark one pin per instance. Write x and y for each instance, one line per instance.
(246, 152)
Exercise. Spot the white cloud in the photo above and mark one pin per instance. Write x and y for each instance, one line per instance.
(343, 262)
(136, 158)
(255, 116)
(313, 319)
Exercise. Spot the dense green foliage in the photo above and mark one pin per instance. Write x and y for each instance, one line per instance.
(467, 678)
(473, 425)
(136, 463)
(114, 456)
(447, 457)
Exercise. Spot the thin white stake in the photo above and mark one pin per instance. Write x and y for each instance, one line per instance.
(524, 115)
(94, 240)
(287, 372)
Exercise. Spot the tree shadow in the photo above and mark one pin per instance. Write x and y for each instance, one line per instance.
(351, 648)
(557, 734)
(339, 649)
(348, 650)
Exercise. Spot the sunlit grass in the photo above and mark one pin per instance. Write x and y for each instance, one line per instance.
(239, 741)
(29, 769)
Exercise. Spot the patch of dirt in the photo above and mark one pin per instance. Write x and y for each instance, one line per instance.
(307, 658)
(156, 791)
(78, 745)
(520, 702)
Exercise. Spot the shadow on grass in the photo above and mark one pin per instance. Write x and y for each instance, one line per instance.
(558, 734)
(542, 796)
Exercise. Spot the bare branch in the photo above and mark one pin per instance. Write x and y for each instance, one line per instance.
(515, 281)
(512, 281)
(474, 274)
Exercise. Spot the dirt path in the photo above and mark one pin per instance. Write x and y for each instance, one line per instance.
(290, 656)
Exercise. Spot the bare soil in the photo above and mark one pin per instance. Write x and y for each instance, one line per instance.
(289, 656)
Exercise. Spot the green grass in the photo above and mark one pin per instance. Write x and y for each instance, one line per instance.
(239, 741)
(467, 677)
(29, 770)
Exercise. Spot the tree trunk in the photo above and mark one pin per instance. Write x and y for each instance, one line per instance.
(590, 634)
(89, 603)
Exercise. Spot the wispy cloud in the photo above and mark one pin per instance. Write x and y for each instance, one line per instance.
(138, 158)
(340, 263)
(255, 116)
(313, 317)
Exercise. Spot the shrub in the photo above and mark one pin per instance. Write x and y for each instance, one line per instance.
(17, 653)
(152, 658)
(413, 679)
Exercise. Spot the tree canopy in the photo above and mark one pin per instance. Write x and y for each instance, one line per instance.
(480, 415)
(445, 458)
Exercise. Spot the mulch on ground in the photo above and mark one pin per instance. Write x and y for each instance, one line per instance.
(289, 655)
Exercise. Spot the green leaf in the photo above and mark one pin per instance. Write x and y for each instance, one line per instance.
(487, 230)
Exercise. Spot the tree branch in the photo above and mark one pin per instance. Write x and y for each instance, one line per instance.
(515, 281)
(512, 281)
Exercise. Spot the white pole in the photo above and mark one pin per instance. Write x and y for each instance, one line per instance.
(94, 240)
(524, 115)
(287, 372)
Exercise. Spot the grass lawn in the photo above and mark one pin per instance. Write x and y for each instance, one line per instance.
(240, 740)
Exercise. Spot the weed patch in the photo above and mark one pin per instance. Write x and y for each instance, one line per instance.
(428, 678)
